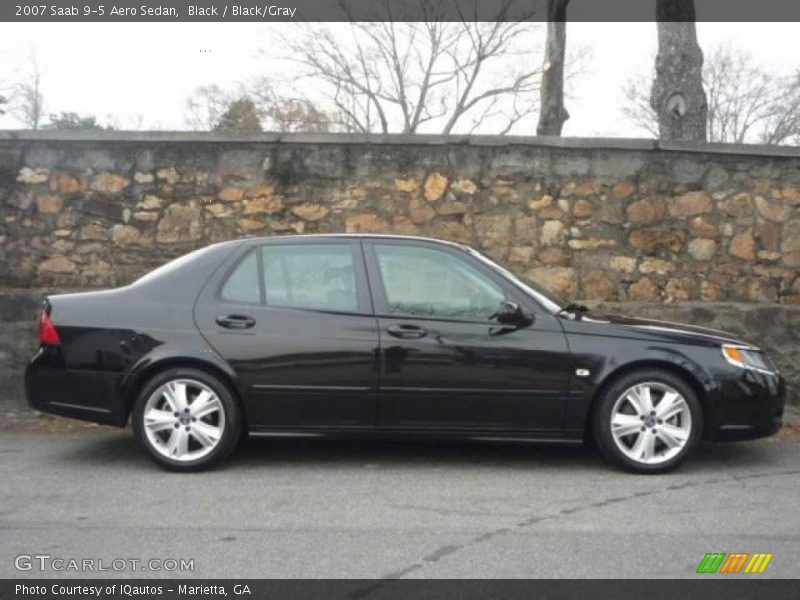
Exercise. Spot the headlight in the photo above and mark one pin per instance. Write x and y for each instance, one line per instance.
(746, 357)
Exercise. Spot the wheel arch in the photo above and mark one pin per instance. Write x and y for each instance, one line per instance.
(683, 371)
(135, 382)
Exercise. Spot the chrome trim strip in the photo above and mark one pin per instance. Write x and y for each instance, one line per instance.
(312, 388)
(80, 407)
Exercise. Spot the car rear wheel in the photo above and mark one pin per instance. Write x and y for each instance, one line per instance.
(186, 419)
(648, 421)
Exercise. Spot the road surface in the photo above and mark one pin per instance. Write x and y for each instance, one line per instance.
(313, 508)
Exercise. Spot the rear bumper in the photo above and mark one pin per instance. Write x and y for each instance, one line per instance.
(746, 406)
(76, 393)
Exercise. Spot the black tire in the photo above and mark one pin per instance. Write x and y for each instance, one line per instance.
(231, 431)
(601, 426)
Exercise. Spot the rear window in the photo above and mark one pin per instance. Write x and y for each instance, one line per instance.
(316, 276)
(307, 276)
(242, 284)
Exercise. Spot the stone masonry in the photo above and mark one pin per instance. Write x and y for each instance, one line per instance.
(594, 219)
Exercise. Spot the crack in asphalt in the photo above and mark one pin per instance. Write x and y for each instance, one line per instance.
(450, 549)
(450, 512)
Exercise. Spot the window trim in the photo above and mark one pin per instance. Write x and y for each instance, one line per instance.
(363, 295)
(380, 298)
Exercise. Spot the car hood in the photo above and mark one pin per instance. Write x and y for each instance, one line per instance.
(652, 328)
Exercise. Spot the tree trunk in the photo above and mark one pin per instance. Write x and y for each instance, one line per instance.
(552, 113)
(677, 94)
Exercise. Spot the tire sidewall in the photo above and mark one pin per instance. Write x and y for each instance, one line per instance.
(230, 435)
(602, 421)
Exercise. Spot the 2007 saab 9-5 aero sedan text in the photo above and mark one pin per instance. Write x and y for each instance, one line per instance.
(386, 335)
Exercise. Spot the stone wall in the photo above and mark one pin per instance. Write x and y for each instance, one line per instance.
(18, 343)
(593, 219)
(597, 220)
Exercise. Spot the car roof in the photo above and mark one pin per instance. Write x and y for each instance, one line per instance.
(323, 236)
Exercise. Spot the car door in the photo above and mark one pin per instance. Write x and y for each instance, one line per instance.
(294, 320)
(445, 364)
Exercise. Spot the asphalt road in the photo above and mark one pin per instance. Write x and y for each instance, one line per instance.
(373, 509)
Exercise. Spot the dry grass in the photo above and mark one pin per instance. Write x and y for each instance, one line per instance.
(790, 432)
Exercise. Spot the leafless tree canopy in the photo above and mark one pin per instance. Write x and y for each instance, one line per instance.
(28, 98)
(206, 105)
(284, 113)
(206, 108)
(4, 93)
(392, 75)
(636, 105)
(430, 76)
(746, 102)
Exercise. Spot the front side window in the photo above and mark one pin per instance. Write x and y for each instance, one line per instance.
(311, 276)
(426, 282)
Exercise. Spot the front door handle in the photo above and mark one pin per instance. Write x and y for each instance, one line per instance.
(235, 321)
(407, 332)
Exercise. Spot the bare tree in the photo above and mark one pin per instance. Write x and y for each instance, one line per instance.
(636, 106)
(287, 113)
(553, 113)
(677, 95)
(3, 96)
(206, 105)
(127, 122)
(739, 95)
(784, 123)
(433, 75)
(746, 102)
(28, 99)
(4, 90)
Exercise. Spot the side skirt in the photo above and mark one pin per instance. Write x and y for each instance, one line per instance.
(557, 437)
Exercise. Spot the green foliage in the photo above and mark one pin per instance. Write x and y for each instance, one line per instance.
(242, 115)
(70, 121)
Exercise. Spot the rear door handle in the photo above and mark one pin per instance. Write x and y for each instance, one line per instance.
(407, 331)
(235, 321)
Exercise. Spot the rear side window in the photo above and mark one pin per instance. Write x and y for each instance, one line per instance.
(242, 284)
(311, 276)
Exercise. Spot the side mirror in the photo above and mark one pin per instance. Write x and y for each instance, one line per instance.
(510, 313)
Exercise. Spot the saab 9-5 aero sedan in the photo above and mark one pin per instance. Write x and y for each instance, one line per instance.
(386, 335)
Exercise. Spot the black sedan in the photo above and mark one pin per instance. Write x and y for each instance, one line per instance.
(357, 335)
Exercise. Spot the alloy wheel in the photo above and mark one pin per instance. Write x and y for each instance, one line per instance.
(651, 423)
(184, 419)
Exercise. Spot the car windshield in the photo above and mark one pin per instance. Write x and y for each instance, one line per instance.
(546, 298)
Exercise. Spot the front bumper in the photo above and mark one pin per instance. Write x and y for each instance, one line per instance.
(745, 405)
(83, 394)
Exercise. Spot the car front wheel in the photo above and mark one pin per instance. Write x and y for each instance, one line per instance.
(648, 421)
(186, 420)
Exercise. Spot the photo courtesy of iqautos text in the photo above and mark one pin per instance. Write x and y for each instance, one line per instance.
(399, 298)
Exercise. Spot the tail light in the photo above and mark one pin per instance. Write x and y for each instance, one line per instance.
(47, 331)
